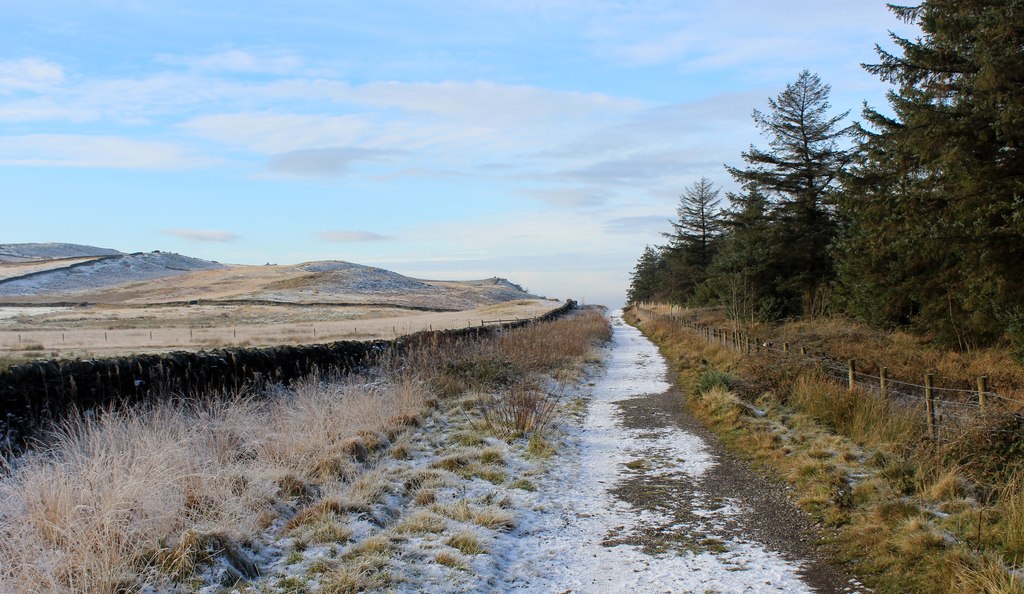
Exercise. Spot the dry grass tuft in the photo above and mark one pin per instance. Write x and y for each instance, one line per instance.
(465, 542)
(520, 411)
(452, 560)
(421, 522)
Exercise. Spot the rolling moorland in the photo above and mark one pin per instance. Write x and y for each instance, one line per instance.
(817, 389)
(82, 301)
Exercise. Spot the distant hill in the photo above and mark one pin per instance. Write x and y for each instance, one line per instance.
(31, 252)
(46, 273)
(98, 273)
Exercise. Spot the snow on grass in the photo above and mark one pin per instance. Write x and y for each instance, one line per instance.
(29, 252)
(560, 545)
(7, 313)
(103, 273)
(449, 507)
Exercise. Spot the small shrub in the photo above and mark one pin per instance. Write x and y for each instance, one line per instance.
(520, 411)
(712, 378)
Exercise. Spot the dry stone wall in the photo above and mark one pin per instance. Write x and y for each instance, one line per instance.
(33, 395)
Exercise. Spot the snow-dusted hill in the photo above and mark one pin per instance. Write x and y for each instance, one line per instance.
(30, 252)
(357, 278)
(101, 273)
(48, 273)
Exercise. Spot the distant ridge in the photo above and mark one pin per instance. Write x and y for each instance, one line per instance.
(31, 252)
(49, 273)
(104, 271)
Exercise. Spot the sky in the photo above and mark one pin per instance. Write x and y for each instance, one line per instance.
(543, 141)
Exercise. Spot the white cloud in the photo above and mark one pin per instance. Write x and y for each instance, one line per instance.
(347, 236)
(489, 103)
(114, 152)
(29, 74)
(323, 162)
(203, 235)
(648, 226)
(571, 197)
(270, 133)
(239, 61)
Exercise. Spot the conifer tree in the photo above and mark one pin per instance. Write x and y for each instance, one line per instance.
(692, 243)
(798, 175)
(647, 278)
(935, 204)
(742, 276)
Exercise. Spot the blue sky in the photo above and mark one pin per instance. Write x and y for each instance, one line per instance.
(542, 141)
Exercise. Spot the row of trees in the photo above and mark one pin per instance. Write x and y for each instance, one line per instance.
(914, 219)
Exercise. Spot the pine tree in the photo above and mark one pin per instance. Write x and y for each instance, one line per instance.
(798, 174)
(693, 240)
(745, 269)
(936, 201)
(647, 278)
(699, 222)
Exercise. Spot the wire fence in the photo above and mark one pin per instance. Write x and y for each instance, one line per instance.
(947, 411)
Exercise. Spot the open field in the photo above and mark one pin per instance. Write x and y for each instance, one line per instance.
(162, 278)
(113, 330)
(59, 300)
(10, 270)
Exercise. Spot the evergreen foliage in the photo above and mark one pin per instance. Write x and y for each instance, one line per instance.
(693, 242)
(798, 174)
(648, 277)
(935, 203)
(920, 223)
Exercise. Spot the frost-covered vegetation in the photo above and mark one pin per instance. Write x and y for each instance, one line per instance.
(324, 485)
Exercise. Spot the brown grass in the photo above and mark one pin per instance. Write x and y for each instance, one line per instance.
(85, 513)
(922, 516)
(143, 496)
(907, 356)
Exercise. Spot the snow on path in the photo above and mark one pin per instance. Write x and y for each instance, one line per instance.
(558, 545)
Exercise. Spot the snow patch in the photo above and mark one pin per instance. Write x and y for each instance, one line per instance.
(561, 543)
(104, 273)
(28, 252)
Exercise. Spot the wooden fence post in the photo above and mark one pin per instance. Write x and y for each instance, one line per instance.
(883, 381)
(929, 400)
(852, 364)
(982, 390)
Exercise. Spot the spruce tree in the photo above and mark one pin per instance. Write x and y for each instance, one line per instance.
(798, 175)
(936, 201)
(745, 268)
(692, 243)
(647, 278)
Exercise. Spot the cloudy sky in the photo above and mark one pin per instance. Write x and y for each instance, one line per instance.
(546, 141)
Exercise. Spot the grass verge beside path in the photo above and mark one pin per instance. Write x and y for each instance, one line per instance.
(310, 487)
(908, 514)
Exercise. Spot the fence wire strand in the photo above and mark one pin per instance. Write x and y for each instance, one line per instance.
(944, 400)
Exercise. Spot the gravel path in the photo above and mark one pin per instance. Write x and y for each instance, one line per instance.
(646, 500)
